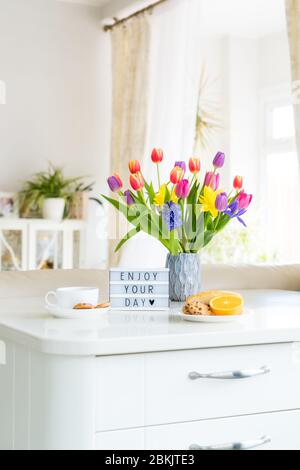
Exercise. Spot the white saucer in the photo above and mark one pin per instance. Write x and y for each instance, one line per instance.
(70, 313)
(213, 318)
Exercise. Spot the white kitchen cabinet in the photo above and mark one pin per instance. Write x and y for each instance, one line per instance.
(28, 244)
(151, 382)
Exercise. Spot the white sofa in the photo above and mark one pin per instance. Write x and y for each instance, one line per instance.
(37, 283)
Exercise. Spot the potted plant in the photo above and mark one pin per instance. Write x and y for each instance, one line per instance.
(78, 204)
(184, 214)
(48, 193)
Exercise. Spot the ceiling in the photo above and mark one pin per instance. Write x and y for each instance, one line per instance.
(98, 3)
(253, 18)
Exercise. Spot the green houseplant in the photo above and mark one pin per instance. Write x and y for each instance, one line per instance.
(49, 193)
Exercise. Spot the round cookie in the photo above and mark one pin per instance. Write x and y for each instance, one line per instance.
(104, 305)
(83, 306)
(194, 307)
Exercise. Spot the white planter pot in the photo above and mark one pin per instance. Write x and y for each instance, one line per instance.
(53, 209)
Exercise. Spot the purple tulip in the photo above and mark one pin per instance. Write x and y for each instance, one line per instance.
(219, 160)
(212, 180)
(129, 198)
(181, 165)
(182, 189)
(222, 202)
(115, 183)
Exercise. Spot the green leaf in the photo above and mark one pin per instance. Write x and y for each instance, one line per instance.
(127, 237)
(150, 191)
(95, 199)
(193, 196)
(208, 236)
(167, 195)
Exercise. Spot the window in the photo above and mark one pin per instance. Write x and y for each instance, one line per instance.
(281, 190)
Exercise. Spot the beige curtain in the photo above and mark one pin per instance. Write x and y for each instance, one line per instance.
(130, 54)
(293, 25)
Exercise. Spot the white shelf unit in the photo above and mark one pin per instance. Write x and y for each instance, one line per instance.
(29, 244)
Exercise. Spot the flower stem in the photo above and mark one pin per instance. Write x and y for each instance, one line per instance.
(158, 176)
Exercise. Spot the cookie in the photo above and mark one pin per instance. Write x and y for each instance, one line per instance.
(83, 306)
(104, 305)
(194, 307)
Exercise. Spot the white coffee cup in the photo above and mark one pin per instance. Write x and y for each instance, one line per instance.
(68, 297)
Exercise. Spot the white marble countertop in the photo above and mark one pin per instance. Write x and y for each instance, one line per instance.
(274, 318)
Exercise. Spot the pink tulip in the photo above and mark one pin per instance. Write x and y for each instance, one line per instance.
(244, 200)
(182, 189)
(212, 180)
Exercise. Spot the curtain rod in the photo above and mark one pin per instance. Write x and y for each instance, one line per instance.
(117, 22)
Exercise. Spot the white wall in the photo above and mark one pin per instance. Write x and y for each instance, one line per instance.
(244, 109)
(274, 60)
(51, 59)
(54, 60)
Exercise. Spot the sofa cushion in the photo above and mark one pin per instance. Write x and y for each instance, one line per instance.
(37, 283)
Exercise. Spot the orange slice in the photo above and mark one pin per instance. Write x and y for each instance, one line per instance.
(207, 296)
(227, 304)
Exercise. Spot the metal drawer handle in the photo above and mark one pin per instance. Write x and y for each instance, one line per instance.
(234, 374)
(243, 445)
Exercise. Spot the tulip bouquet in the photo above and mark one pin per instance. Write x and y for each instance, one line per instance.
(184, 213)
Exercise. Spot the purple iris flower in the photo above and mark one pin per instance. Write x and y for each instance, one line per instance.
(233, 211)
(181, 165)
(172, 215)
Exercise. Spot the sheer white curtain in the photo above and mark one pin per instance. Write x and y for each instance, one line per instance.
(293, 24)
(174, 71)
(130, 59)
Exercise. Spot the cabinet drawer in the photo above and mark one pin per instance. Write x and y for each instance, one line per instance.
(171, 396)
(131, 439)
(120, 392)
(279, 431)
(282, 429)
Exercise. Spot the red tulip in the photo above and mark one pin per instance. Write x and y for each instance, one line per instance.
(177, 174)
(238, 182)
(137, 181)
(115, 183)
(194, 165)
(244, 200)
(134, 166)
(157, 155)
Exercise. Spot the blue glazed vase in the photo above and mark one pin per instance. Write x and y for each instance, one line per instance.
(185, 275)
